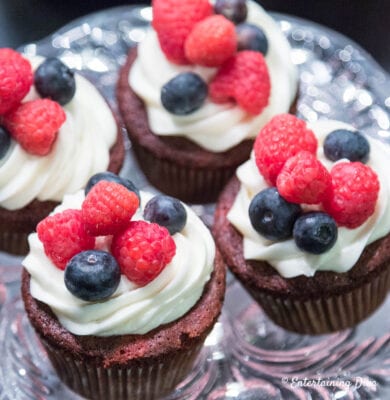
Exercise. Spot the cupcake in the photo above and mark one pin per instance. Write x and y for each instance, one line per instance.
(304, 224)
(198, 88)
(56, 131)
(121, 296)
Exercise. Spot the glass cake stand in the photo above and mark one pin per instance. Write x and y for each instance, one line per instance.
(246, 356)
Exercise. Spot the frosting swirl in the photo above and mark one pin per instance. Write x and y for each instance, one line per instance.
(285, 256)
(215, 127)
(131, 309)
(80, 150)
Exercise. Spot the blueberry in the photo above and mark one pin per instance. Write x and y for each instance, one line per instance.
(53, 79)
(272, 216)
(5, 141)
(166, 211)
(315, 232)
(92, 275)
(251, 37)
(234, 10)
(184, 93)
(111, 177)
(346, 144)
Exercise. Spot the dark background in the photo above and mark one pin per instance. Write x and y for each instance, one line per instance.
(367, 22)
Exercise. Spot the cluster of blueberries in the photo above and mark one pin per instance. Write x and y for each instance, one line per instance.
(186, 92)
(314, 232)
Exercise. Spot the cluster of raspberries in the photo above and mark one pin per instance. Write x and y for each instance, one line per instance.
(142, 249)
(190, 32)
(285, 153)
(33, 124)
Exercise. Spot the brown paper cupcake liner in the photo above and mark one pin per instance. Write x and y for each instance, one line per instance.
(190, 184)
(14, 242)
(137, 381)
(324, 315)
(16, 225)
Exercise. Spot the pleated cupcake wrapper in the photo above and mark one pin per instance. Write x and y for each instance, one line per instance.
(190, 184)
(329, 314)
(13, 242)
(144, 381)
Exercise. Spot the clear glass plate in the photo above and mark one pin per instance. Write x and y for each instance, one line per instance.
(246, 356)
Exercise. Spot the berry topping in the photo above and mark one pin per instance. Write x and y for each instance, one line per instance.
(173, 20)
(283, 137)
(272, 216)
(235, 10)
(16, 78)
(108, 208)
(53, 79)
(166, 211)
(63, 235)
(355, 189)
(251, 37)
(35, 125)
(303, 179)
(184, 93)
(111, 177)
(245, 79)
(5, 141)
(346, 144)
(211, 42)
(143, 250)
(92, 275)
(315, 232)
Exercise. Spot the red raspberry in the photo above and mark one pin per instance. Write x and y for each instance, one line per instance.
(63, 235)
(16, 78)
(7, 53)
(35, 125)
(211, 42)
(143, 250)
(108, 208)
(245, 79)
(303, 179)
(283, 137)
(173, 20)
(355, 189)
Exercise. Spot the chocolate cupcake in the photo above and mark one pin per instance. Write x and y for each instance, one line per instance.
(140, 339)
(326, 269)
(189, 141)
(40, 165)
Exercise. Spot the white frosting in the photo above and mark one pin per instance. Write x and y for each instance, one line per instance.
(131, 309)
(215, 127)
(80, 150)
(285, 256)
